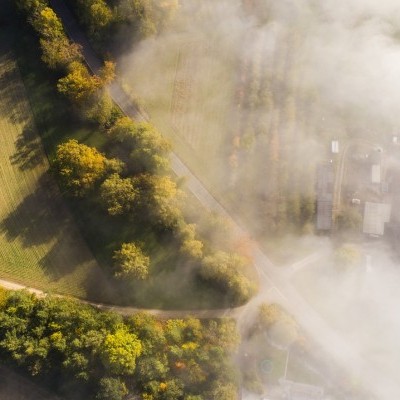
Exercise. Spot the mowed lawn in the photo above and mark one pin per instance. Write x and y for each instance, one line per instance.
(40, 245)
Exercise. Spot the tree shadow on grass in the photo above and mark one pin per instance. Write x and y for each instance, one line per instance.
(43, 218)
(66, 257)
(29, 153)
(12, 102)
(40, 217)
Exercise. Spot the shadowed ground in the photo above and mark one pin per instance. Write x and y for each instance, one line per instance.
(40, 244)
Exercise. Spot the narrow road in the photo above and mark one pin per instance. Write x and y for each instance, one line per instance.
(270, 276)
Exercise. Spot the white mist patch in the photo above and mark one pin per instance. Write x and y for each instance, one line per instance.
(361, 304)
(326, 70)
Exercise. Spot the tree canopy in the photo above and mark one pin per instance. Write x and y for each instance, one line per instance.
(131, 262)
(80, 167)
(104, 357)
(118, 194)
(120, 350)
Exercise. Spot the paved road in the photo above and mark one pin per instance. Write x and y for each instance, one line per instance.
(272, 280)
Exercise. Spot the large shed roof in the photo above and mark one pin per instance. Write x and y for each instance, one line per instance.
(375, 217)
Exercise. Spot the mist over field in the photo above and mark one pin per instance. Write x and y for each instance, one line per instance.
(317, 71)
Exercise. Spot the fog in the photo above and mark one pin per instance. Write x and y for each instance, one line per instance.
(322, 70)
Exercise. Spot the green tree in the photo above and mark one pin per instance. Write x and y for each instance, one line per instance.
(47, 24)
(79, 166)
(349, 219)
(118, 194)
(29, 6)
(149, 331)
(348, 255)
(119, 352)
(190, 246)
(78, 85)
(223, 391)
(150, 148)
(111, 389)
(130, 262)
(59, 52)
(161, 199)
(225, 271)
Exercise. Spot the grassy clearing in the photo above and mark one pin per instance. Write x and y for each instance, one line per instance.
(40, 244)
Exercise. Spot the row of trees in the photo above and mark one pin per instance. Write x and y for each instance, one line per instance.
(132, 182)
(268, 146)
(87, 92)
(81, 352)
(105, 20)
(83, 170)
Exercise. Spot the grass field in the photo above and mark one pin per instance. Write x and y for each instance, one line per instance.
(39, 242)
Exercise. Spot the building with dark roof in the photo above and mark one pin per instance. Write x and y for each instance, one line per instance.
(325, 183)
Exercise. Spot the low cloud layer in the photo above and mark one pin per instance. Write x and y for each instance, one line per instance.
(340, 62)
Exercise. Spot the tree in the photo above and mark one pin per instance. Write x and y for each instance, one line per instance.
(190, 246)
(119, 352)
(118, 194)
(270, 314)
(29, 6)
(223, 391)
(80, 166)
(284, 332)
(111, 389)
(280, 326)
(149, 331)
(347, 256)
(225, 270)
(349, 219)
(97, 16)
(59, 52)
(160, 197)
(130, 262)
(78, 85)
(150, 148)
(107, 72)
(98, 107)
(122, 129)
(47, 24)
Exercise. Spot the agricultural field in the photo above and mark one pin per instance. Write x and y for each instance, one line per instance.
(239, 115)
(40, 245)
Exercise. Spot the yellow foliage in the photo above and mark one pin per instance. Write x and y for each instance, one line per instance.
(190, 346)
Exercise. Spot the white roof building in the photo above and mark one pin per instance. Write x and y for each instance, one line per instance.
(376, 173)
(375, 217)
